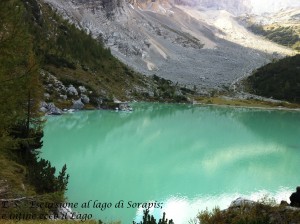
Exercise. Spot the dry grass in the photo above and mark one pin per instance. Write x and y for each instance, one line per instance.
(245, 103)
(251, 214)
(13, 176)
(117, 83)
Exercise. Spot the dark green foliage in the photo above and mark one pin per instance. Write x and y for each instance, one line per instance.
(42, 176)
(180, 98)
(33, 7)
(187, 91)
(160, 80)
(109, 104)
(61, 44)
(149, 219)
(75, 44)
(280, 80)
(63, 179)
(59, 61)
(282, 35)
(257, 29)
(168, 91)
(21, 91)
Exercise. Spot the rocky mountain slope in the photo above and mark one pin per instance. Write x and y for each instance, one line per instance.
(282, 27)
(204, 46)
(239, 7)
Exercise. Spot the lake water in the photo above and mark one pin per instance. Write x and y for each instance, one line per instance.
(184, 158)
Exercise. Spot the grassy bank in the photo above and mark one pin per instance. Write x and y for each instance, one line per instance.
(225, 101)
(257, 213)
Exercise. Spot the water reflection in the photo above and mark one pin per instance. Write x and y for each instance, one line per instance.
(189, 157)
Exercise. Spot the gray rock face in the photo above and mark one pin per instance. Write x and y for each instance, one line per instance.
(77, 104)
(108, 6)
(72, 91)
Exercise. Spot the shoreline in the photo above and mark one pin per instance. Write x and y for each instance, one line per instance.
(249, 107)
(220, 101)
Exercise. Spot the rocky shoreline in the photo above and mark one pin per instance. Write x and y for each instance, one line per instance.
(71, 97)
(51, 109)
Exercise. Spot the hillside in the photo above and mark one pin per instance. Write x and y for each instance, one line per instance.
(205, 47)
(75, 66)
(281, 27)
(278, 80)
(23, 176)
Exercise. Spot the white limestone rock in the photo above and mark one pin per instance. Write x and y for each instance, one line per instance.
(240, 202)
(77, 104)
(82, 89)
(72, 91)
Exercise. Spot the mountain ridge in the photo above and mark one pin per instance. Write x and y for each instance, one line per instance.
(208, 49)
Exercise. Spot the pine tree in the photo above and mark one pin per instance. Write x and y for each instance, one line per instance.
(21, 89)
(21, 92)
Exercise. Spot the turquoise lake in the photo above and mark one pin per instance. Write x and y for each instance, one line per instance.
(185, 157)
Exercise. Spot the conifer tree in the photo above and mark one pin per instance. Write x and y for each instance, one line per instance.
(20, 90)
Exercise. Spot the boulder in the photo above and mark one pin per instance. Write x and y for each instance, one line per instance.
(124, 107)
(44, 104)
(44, 109)
(72, 91)
(77, 104)
(85, 99)
(64, 97)
(116, 100)
(241, 202)
(50, 108)
(65, 213)
(82, 89)
(53, 110)
(284, 203)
